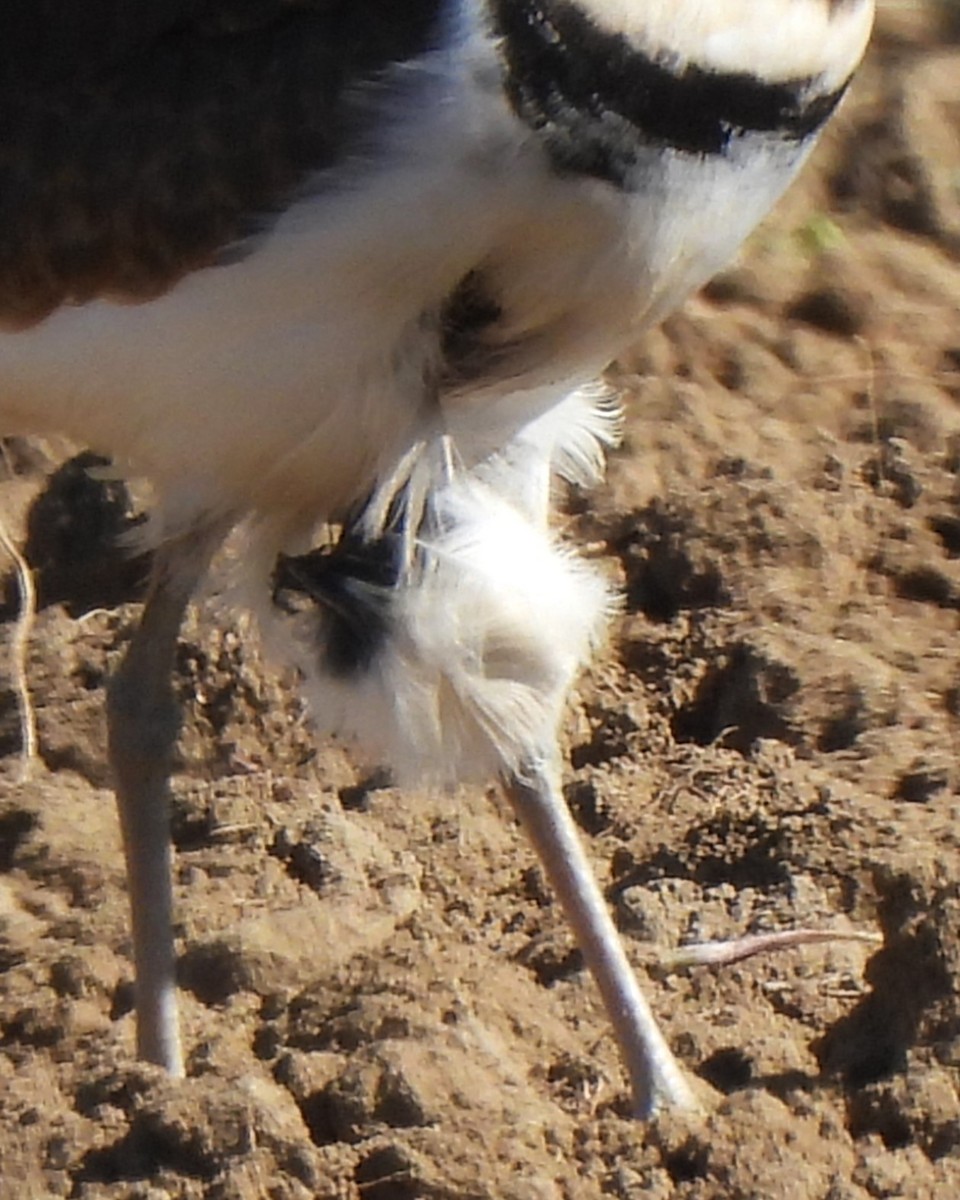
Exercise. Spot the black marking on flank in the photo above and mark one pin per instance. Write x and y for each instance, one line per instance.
(467, 320)
(352, 585)
(599, 100)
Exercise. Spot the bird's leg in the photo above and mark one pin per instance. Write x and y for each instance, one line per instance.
(143, 722)
(655, 1076)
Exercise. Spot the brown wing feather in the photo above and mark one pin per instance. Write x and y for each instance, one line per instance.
(169, 130)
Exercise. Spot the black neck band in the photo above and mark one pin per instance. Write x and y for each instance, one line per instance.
(599, 99)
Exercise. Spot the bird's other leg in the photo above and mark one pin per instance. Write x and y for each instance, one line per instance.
(143, 723)
(655, 1076)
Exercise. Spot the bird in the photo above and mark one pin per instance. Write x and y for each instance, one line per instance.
(339, 277)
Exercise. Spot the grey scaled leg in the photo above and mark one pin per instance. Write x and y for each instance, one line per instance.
(655, 1076)
(143, 721)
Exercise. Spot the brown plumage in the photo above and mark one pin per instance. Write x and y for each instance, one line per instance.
(138, 142)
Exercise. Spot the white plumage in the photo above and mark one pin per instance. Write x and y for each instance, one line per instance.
(493, 623)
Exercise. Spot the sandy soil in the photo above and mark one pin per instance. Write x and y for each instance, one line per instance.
(381, 999)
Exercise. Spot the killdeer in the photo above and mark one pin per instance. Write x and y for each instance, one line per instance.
(357, 263)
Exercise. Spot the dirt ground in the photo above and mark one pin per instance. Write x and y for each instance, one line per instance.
(381, 1000)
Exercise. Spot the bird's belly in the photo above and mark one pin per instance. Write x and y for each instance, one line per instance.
(289, 382)
(223, 392)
